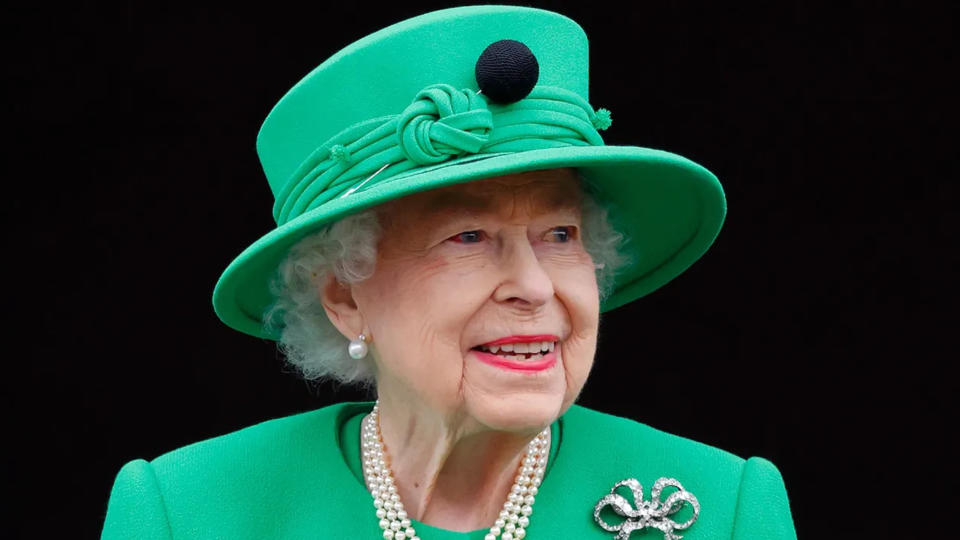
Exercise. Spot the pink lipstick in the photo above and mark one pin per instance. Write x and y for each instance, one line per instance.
(542, 364)
(524, 339)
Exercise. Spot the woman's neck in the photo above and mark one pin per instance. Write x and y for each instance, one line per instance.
(450, 471)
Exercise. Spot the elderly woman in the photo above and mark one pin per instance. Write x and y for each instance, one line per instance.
(450, 227)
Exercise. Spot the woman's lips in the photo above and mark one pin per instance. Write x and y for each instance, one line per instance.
(548, 360)
(524, 339)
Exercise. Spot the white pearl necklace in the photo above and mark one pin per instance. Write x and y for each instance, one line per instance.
(514, 518)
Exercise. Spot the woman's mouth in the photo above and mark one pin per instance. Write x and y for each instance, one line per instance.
(531, 356)
(519, 351)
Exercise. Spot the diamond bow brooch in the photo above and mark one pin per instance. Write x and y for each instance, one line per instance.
(654, 513)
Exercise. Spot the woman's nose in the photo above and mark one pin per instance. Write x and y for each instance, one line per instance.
(525, 282)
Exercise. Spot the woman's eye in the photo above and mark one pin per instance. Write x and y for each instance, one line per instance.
(561, 234)
(468, 237)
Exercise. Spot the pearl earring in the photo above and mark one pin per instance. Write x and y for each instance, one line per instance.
(358, 347)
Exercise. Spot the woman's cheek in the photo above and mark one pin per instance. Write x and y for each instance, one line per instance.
(575, 278)
(450, 262)
(578, 293)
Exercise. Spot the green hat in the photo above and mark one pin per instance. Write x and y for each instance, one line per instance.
(452, 96)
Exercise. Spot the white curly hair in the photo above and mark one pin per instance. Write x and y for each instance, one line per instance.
(315, 348)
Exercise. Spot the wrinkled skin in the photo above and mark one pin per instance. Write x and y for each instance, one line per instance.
(451, 276)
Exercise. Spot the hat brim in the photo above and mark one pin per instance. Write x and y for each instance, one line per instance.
(669, 207)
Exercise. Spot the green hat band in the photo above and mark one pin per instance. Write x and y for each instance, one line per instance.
(441, 123)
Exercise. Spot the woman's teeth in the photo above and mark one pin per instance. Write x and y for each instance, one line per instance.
(521, 351)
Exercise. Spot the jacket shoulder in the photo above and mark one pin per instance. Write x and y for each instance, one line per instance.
(763, 505)
(631, 437)
(293, 431)
(268, 450)
(229, 483)
(739, 498)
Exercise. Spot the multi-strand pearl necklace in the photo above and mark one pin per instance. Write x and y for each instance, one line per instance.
(513, 519)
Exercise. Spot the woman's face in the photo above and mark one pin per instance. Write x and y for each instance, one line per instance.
(473, 263)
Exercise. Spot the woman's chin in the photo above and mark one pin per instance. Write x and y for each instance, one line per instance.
(514, 396)
(516, 413)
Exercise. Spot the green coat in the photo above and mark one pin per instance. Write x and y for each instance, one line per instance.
(300, 477)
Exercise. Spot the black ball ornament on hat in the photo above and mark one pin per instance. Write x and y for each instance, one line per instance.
(507, 71)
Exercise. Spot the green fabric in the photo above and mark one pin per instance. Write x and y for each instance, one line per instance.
(442, 122)
(299, 477)
(406, 97)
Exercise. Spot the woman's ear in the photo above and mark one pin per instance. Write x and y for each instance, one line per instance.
(342, 310)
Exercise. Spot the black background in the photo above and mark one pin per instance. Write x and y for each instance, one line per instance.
(816, 332)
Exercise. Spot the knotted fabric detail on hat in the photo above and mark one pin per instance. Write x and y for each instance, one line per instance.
(441, 123)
